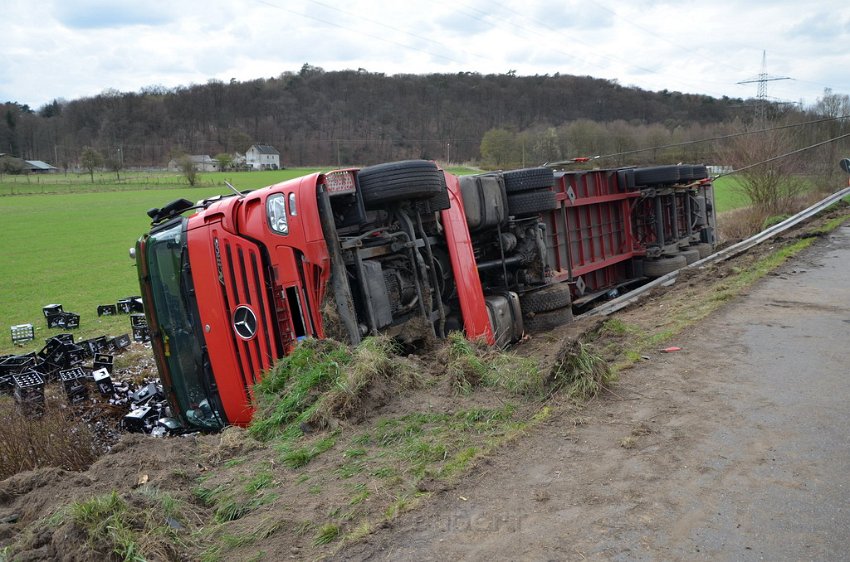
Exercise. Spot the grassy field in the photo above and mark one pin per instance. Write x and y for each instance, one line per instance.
(70, 245)
(728, 195)
(136, 181)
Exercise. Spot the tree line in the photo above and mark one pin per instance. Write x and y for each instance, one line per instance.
(314, 117)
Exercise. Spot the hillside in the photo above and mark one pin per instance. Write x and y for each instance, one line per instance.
(313, 116)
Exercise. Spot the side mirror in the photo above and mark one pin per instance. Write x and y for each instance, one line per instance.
(845, 165)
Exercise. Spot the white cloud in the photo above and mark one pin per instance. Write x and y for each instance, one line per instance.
(74, 48)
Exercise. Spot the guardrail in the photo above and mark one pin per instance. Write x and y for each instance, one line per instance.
(736, 249)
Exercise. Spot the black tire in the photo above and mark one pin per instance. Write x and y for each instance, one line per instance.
(550, 297)
(700, 172)
(704, 249)
(545, 321)
(691, 255)
(686, 173)
(626, 178)
(397, 181)
(663, 266)
(532, 202)
(527, 179)
(657, 175)
(438, 202)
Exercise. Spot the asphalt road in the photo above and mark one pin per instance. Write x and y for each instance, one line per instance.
(740, 448)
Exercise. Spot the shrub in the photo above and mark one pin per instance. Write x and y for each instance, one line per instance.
(54, 439)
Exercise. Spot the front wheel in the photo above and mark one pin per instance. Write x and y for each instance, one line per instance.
(397, 181)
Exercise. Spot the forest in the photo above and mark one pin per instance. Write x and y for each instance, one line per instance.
(317, 117)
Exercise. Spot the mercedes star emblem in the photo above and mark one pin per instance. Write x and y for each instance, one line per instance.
(245, 322)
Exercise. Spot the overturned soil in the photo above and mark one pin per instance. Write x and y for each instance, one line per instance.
(557, 480)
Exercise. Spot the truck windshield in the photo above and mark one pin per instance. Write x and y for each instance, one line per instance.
(174, 307)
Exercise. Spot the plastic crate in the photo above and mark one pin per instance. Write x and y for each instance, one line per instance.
(141, 334)
(103, 381)
(22, 333)
(138, 320)
(74, 382)
(137, 420)
(107, 310)
(103, 361)
(29, 392)
(17, 363)
(120, 342)
(51, 309)
(63, 320)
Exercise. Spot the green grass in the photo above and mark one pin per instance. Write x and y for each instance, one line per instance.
(139, 181)
(728, 195)
(67, 241)
(143, 525)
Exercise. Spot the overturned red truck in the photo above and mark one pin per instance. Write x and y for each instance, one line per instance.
(403, 249)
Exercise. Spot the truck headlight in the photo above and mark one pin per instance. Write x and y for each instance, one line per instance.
(276, 210)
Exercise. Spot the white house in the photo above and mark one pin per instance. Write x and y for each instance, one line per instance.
(263, 157)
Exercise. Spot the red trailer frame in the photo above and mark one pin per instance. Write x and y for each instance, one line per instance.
(590, 238)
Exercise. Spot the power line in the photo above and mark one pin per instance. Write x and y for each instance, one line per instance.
(710, 139)
(793, 152)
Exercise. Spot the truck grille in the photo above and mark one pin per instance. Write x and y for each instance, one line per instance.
(242, 284)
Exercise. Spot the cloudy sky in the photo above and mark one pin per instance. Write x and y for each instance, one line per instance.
(74, 48)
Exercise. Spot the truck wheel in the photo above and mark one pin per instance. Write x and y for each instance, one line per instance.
(528, 179)
(686, 172)
(656, 175)
(700, 172)
(548, 298)
(544, 321)
(532, 202)
(397, 181)
(437, 202)
(440, 201)
(663, 266)
(704, 249)
(691, 255)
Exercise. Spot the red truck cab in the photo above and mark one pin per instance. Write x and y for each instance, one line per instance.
(233, 287)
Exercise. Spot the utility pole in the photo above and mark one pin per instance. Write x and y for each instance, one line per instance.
(761, 96)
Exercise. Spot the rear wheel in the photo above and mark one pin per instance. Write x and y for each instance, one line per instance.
(691, 255)
(546, 299)
(704, 249)
(532, 202)
(528, 179)
(397, 181)
(663, 266)
(543, 321)
(656, 175)
(686, 172)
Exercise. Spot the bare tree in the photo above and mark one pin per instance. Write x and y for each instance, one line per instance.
(114, 165)
(187, 167)
(772, 184)
(91, 159)
(835, 107)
